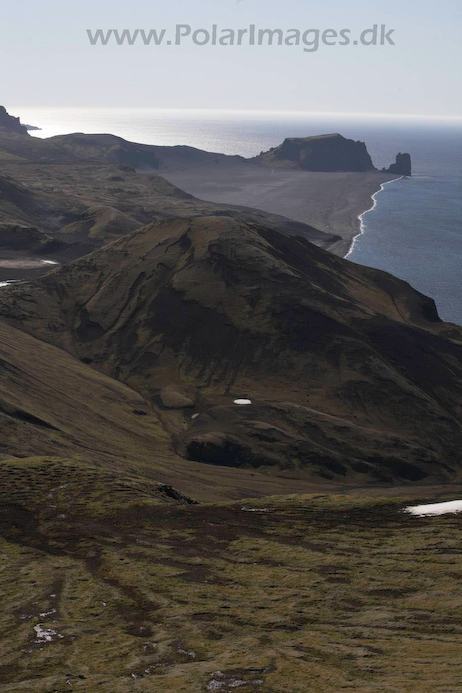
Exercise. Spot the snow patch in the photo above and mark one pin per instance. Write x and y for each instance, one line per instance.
(242, 401)
(48, 613)
(148, 646)
(435, 508)
(215, 685)
(46, 634)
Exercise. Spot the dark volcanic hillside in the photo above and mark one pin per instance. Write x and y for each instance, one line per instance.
(54, 406)
(350, 372)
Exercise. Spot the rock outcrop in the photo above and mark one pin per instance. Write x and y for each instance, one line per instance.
(11, 123)
(321, 153)
(402, 165)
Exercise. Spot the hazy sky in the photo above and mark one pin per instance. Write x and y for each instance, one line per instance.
(47, 59)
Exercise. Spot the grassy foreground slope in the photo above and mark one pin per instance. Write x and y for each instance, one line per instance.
(283, 595)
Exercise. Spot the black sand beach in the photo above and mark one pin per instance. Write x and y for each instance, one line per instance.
(331, 202)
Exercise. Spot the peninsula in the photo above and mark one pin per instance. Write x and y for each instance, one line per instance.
(316, 186)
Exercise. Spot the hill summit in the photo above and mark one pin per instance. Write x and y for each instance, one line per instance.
(349, 371)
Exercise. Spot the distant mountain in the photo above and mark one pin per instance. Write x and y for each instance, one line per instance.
(142, 157)
(351, 374)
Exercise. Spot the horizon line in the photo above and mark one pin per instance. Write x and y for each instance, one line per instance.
(251, 111)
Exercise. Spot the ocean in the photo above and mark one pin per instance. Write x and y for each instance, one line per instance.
(414, 230)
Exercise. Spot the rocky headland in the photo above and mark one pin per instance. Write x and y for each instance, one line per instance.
(326, 153)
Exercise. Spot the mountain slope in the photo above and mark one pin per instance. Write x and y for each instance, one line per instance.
(54, 406)
(350, 372)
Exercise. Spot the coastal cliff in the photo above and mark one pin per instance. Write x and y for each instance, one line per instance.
(321, 153)
(11, 123)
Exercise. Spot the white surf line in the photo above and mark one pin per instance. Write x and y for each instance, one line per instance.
(363, 214)
(435, 508)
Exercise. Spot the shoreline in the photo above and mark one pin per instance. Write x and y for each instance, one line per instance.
(371, 209)
(330, 202)
(331, 205)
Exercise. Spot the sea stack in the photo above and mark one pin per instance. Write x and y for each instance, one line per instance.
(402, 165)
(323, 153)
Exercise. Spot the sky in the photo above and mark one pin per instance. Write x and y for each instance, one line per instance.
(48, 60)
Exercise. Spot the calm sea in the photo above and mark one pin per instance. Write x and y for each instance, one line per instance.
(415, 229)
